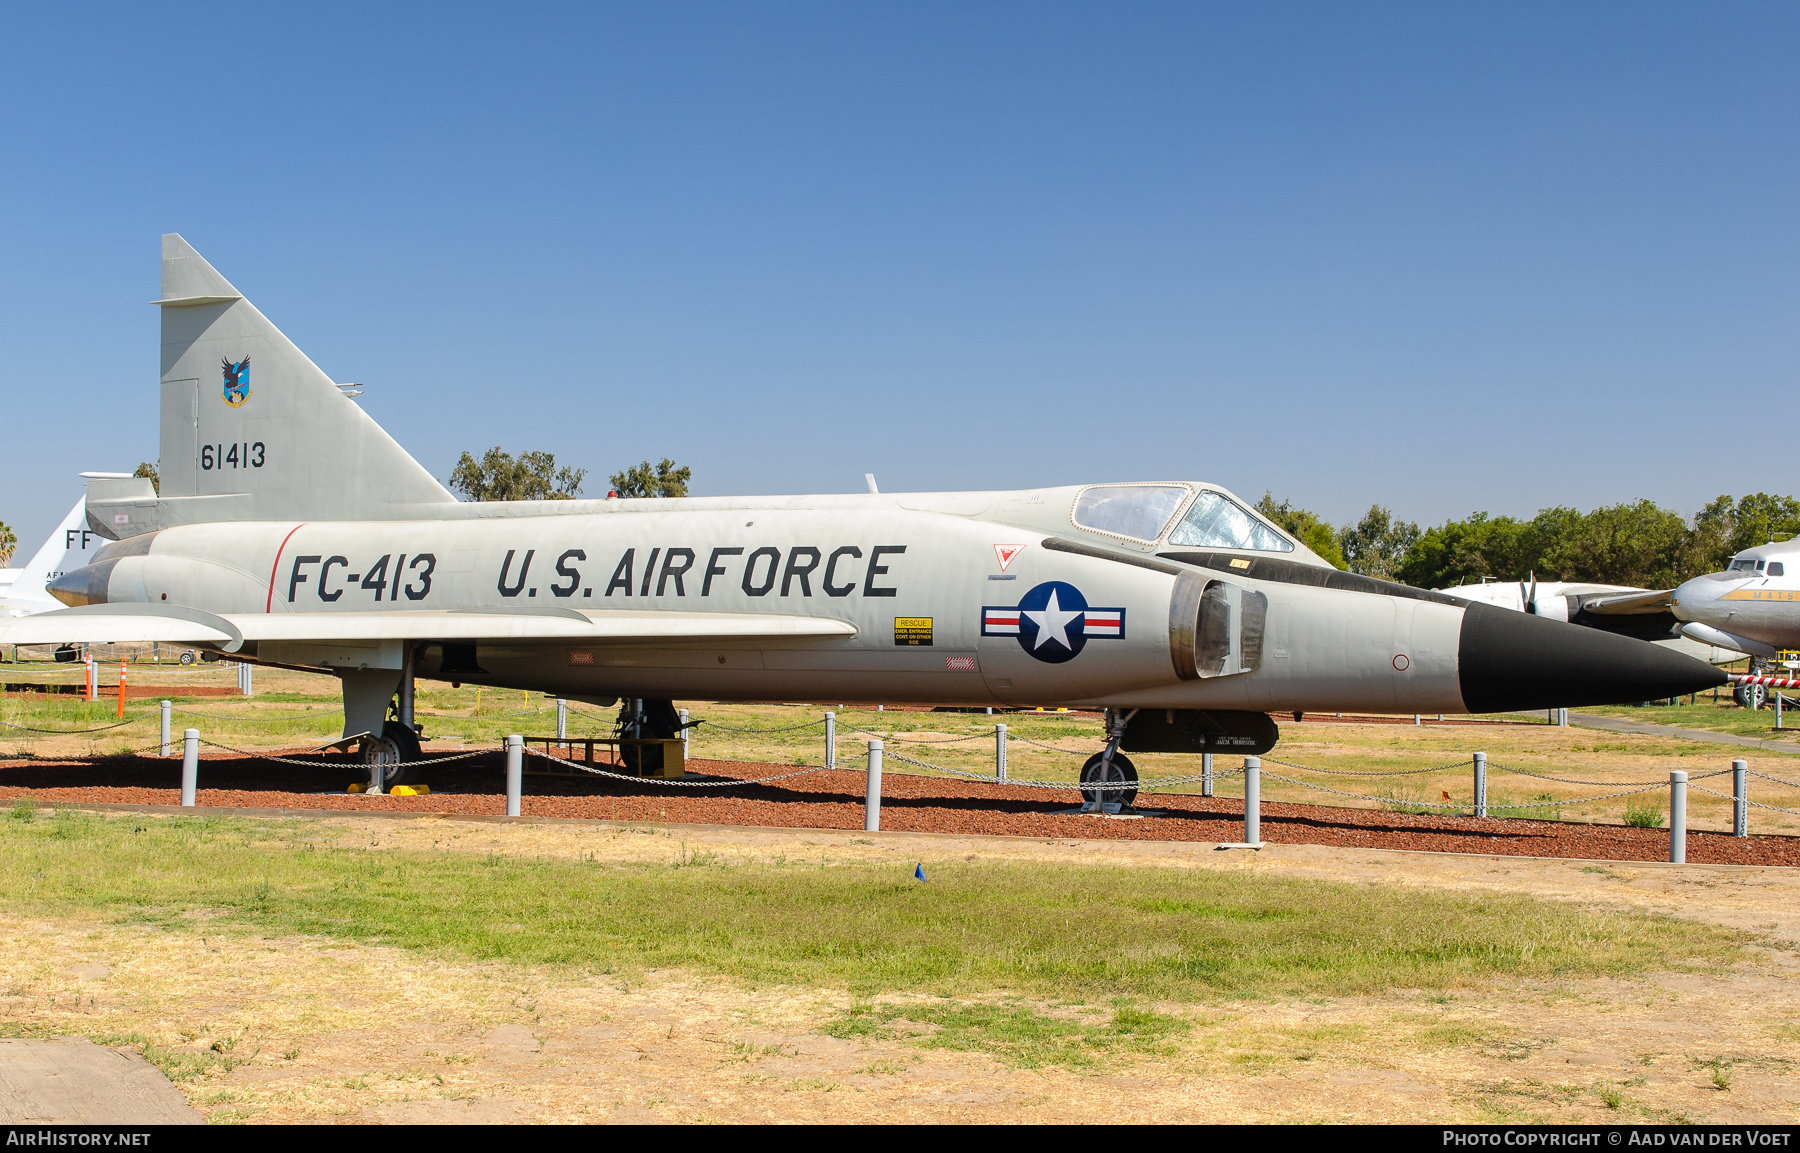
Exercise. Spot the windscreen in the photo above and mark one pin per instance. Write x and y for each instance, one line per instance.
(1216, 521)
(1140, 511)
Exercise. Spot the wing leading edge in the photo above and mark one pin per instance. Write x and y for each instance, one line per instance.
(1630, 604)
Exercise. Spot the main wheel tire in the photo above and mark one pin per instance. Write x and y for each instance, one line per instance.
(1123, 771)
(1751, 696)
(394, 749)
(187, 658)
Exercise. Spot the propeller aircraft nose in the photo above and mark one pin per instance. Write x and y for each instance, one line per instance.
(1691, 597)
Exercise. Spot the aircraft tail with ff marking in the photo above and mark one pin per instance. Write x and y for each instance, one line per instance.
(251, 428)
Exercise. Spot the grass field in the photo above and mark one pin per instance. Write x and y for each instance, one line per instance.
(439, 970)
(970, 930)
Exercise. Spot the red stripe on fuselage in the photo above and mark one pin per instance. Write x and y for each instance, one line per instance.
(269, 605)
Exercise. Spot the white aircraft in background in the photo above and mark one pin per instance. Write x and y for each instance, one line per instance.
(1753, 606)
(1751, 609)
(71, 546)
(1572, 601)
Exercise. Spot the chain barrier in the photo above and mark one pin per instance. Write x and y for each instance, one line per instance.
(262, 756)
(1102, 786)
(157, 748)
(784, 729)
(586, 768)
(1042, 745)
(920, 740)
(1351, 773)
(1568, 781)
(1556, 804)
(1777, 780)
(1747, 800)
(77, 732)
(130, 752)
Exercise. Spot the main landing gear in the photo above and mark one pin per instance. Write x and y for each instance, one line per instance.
(393, 751)
(378, 716)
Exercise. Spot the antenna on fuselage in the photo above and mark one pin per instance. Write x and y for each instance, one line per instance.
(870, 478)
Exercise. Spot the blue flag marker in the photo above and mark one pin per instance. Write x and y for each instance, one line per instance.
(919, 872)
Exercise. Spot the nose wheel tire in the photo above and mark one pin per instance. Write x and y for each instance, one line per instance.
(392, 750)
(1122, 779)
(1751, 696)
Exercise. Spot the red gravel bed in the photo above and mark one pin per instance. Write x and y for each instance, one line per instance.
(833, 800)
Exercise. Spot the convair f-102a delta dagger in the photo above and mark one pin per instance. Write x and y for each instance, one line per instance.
(291, 530)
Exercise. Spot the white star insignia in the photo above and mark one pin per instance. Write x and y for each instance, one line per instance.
(1053, 622)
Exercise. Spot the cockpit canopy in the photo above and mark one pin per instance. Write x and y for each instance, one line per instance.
(1143, 512)
(1765, 560)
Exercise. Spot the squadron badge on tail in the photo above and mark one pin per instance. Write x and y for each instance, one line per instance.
(237, 382)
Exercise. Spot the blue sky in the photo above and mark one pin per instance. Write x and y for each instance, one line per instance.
(1444, 257)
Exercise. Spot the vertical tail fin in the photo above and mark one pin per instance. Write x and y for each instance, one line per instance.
(251, 428)
(70, 546)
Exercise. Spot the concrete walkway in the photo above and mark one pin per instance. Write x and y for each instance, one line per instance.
(71, 1081)
(1621, 725)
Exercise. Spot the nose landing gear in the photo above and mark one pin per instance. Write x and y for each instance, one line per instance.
(1752, 696)
(1109, 779)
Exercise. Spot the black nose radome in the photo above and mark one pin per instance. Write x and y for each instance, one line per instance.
(1509, 660)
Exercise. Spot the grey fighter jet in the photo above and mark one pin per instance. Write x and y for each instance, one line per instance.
(291, 530)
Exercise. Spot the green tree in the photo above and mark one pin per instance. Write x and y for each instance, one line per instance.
(646, 479)
(1467, 551)
(148, 472)
(1375, 545)
(533, 476)
(9, 541)
(1728, 526)
(1305, 526)
(1640, 544)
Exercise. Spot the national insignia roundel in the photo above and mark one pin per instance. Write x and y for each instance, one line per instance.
(1053, 622)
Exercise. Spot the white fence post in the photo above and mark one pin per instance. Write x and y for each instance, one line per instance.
(1206, 774)
(683, 714)
(1252, 800)
(1562, 717)
(166, 707)
(1678, 817)
(190, 766)
(1000, 753)
(562, 719)
(872, 791)
(1481, 784)
(1740, 798)
(830, 739)
(515, 772)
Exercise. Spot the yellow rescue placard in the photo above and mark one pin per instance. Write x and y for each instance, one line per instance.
(912, 630)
